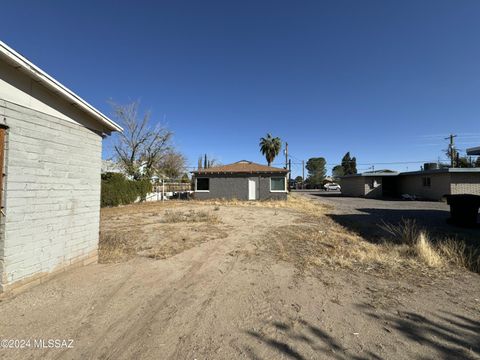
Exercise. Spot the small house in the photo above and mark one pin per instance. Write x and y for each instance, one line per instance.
(431, 184)
(243, 180)
(50, 161)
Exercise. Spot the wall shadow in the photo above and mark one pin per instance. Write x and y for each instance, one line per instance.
(450, 335)
(329, 194)
(368, 223)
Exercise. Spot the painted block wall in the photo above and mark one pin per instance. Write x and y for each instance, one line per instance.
(264, 189)
(52, 193)
(413, 185)
(236, 187)
(52, 186)
(353, 186)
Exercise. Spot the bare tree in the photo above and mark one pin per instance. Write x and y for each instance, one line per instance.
(214, 162)
(207, 162)
(172, 165)
(142, 144)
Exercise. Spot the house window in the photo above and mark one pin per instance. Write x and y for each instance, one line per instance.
(203, 184)
(277, 184)
(426, 182)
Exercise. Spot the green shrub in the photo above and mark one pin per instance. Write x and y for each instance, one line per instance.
(118, 190)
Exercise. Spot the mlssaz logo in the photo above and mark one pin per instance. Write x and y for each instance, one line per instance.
(53, 343)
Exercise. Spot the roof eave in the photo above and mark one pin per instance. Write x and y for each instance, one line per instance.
(20, 62)
(474, 151)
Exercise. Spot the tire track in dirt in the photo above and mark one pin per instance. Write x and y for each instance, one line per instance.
(203, 309)
(130, 336)
(163, 308)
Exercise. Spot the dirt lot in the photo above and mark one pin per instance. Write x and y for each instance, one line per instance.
(199, 280)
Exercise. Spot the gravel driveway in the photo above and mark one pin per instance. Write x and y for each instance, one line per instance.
(366, 215)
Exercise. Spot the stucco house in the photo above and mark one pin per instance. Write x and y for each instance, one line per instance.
(50, 156)
(431, 184)
(243, 180)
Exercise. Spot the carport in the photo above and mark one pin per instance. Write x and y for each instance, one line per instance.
(473, 151)
(390, 186)
(371, 184)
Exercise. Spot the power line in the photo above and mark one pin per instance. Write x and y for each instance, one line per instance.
(378, 163)
(299, 163)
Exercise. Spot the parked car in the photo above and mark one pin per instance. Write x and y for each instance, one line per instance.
(332, 187)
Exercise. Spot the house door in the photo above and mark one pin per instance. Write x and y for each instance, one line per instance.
(252, 189)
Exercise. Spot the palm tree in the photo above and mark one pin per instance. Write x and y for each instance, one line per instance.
(270, 147)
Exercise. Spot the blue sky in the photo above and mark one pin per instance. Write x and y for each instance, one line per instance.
(385, 80)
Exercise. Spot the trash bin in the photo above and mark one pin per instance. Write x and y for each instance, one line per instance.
(463, 209)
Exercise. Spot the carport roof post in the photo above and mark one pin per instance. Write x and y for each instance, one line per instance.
(474, 151)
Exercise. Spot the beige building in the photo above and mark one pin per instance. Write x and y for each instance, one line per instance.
(50, 156)
(428, 185)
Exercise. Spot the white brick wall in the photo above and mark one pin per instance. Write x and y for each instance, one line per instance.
(52, 193)
(465, 183)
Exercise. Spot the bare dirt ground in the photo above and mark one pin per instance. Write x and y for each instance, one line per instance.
(225, 281)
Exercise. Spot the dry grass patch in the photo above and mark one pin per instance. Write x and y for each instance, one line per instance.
(457, 253)
(433, 252)
(156, 230)
(405, 232)
(307, 246)
(409, 249)
(114, 248)
(294, 202)
(190, 216)
(427, 253)
(176, 239)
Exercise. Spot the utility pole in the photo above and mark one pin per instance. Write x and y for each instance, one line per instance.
(451, 149)
(289, 170)
(303, 174)
(286, 155)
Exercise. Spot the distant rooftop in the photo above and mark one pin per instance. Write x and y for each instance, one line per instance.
(419, 172)
(440, 171)
(474, 151)
(241, 167)
(374, 173)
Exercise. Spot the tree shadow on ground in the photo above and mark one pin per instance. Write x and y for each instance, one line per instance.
(449, 335)
(295, 338)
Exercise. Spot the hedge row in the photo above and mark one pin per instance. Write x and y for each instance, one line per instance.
(117, 190)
